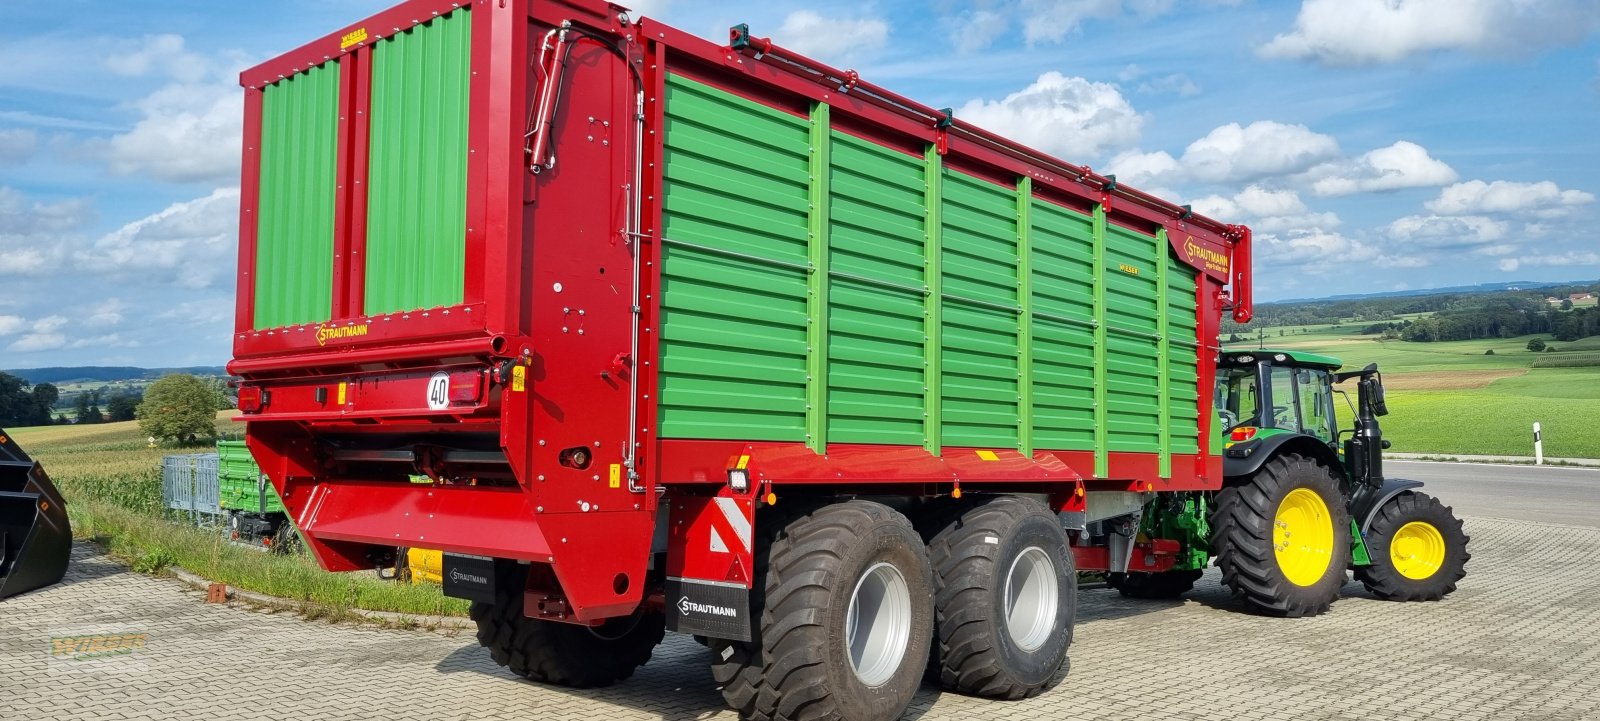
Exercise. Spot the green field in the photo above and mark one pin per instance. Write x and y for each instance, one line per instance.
(1451, 397)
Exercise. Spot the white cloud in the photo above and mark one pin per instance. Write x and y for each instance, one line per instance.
(647, 8)
(107, 313)
(1352, 32)
(1503, 196)
(35, 342)
(1433, 231)
(12, 324)
(976, 29)
(1050, 21)
(1570, 258)
(188, 243)
(1402, 165)
(49, 324)
(17, 146)
(1175, 84)
(157, 54)
(34, 235)
(1496, 250)
(1266, 211)
(1141, 169)
(1508, 264)
(1231, 153)
(1067, 116)
(832, 40)
(1313, 251)
(189, 133)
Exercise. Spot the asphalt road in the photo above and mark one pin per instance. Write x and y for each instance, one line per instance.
(1546, 494)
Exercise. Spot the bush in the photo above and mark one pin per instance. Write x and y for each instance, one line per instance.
(1536, 345)
(1489, 352)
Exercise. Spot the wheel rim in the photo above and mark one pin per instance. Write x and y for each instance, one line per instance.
(1032, 595)
(1417, 550)
(878, 624)
(1302, 537)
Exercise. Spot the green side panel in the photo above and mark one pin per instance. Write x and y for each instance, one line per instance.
(1132, 377)
(735, 268)
(1025, 341)
(980, 393)
(817, 287)
(875, 314)
(933, 300)
(239, 482)
(417, 185)
(1182, 356)
(1102, 461)
(299, 177)
(1163, 355)
(1062, 293)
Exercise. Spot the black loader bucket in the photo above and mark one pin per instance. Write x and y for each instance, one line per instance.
(35, 538)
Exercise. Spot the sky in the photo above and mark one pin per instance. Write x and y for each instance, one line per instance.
(1372, 145)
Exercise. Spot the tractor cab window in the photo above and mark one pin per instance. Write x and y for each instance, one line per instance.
(1238, 398)
(1316, 403)
(1285, 415)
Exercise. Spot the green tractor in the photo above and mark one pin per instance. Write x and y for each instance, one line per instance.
(1303, 502)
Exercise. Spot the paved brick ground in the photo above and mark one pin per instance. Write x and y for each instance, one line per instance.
(1519, 640)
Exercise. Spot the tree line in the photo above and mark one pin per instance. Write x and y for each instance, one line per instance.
(1452, 317)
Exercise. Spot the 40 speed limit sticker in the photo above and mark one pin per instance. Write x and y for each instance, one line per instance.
(439, 391)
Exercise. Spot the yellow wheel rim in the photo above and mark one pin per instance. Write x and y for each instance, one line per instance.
(1417, 550)
(1302, 537)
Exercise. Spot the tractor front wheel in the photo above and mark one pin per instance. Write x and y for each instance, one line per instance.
(1418, 550)
(1283, 538)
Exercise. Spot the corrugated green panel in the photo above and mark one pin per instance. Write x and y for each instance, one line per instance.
(933, 299)
(417, 184)
(239, 483)
(1063, 334)
(1182, 357)
(818, 284)
(980, 393)
(875, 322)
(1132, 378)
(734, 268)
(1025, 342)
(980, 240)
(299, 176)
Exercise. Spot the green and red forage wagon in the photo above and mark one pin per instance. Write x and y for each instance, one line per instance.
(722, 340)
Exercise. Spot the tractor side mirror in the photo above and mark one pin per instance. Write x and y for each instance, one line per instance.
(1379, 407)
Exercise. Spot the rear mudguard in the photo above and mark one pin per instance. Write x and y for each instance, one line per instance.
(1366, 501)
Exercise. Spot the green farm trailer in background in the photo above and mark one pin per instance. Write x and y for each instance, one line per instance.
(255, 513)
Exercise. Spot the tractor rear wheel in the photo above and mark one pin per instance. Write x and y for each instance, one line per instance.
(845, 619)
(1154, 586)
(1418, 550)
(565, 654)
(1005, 594)
(1283, 538)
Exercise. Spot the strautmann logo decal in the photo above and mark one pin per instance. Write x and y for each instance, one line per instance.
(1213, 259)
(686, 607)
(326, 333)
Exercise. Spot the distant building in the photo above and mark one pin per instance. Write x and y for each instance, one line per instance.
(1582, 296)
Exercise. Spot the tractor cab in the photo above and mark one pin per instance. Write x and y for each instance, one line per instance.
(1284, 399)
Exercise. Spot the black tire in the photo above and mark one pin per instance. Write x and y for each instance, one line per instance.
(1243, 536)
(973, 562)
(798, 666)
(565, 654)
(1384, 580)
(1154, 586)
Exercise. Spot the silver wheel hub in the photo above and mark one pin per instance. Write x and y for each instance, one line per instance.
(1033, 595)
(878, 624)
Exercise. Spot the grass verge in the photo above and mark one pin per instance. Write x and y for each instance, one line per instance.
(151, 544)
